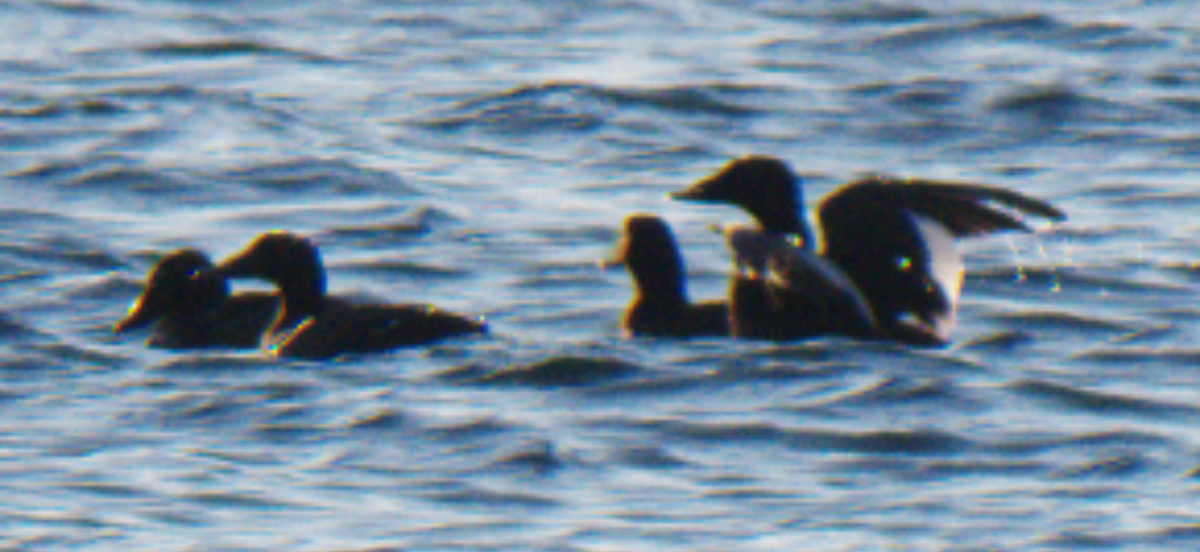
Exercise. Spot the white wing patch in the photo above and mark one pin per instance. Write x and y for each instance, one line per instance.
(946, 268)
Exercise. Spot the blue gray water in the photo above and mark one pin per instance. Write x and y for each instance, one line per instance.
(481, 156)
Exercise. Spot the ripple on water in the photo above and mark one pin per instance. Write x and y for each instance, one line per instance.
(249, 500)
(484, 497)
(203, 409)
(538, 457)
(577, 108)
(1050, 105)
(568, 371)
(1124, 464)
(952, 468)
(209, 364)
(1080, 282)
(717, 99)
(129, 180)
(379, 421)
(96, 483)
(389, 268)
(919, 96)
(1172, 199)
(120, 180)
(523, 111)
(54, 109)
(860, 13)
(470, 429)
(1063, 320)
(882, 442)
(1035, 29)
(410, 225)
(1134, 355)
(216, 48)
(318, 177)
(14, 330)
(649, 456)
(1060, 444)
(898, 391)
(1100, 402)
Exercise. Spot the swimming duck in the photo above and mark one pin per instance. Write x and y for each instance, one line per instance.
(312, 325)
(660, 305)
(895, 239)
(196, 312)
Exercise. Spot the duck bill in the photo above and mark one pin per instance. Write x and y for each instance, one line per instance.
(705, 190)
(616, 258)
(712, 188)
(243, 266)
(611, 262)
(141, 314)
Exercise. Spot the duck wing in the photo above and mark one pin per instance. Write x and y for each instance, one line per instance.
(896, 239)
(348, 329)
(963, 208)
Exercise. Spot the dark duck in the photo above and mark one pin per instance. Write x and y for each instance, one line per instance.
(313, 325)
(660, 306)
(191, 312)
(892, 240)
(782, 292)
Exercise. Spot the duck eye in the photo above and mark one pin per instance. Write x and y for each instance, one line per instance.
(904, 263)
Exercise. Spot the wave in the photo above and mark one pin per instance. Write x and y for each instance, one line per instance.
(1099, 402)
(579, 108)
(883, 442)
(318, 176)
(565, 371)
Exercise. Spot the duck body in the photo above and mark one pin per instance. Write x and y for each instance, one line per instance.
(311, 325)
(660, 307)
(775, 282)
(238, 323)
(704, 319)
(192, 313)
(894, 239)
(341, 328)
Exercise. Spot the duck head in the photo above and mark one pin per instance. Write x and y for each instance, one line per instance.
(291, 262)
(651, 255)
(176, 286)
(765, 187)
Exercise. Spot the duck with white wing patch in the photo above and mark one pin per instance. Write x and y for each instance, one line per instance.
(894, 240)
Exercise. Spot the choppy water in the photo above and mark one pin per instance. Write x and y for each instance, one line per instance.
(481, 156)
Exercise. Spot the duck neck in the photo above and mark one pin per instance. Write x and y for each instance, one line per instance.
(302, 297)
(661, 286)
(783, 214)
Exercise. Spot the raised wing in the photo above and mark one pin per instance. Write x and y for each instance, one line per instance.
(896, 239)
(964, 209)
